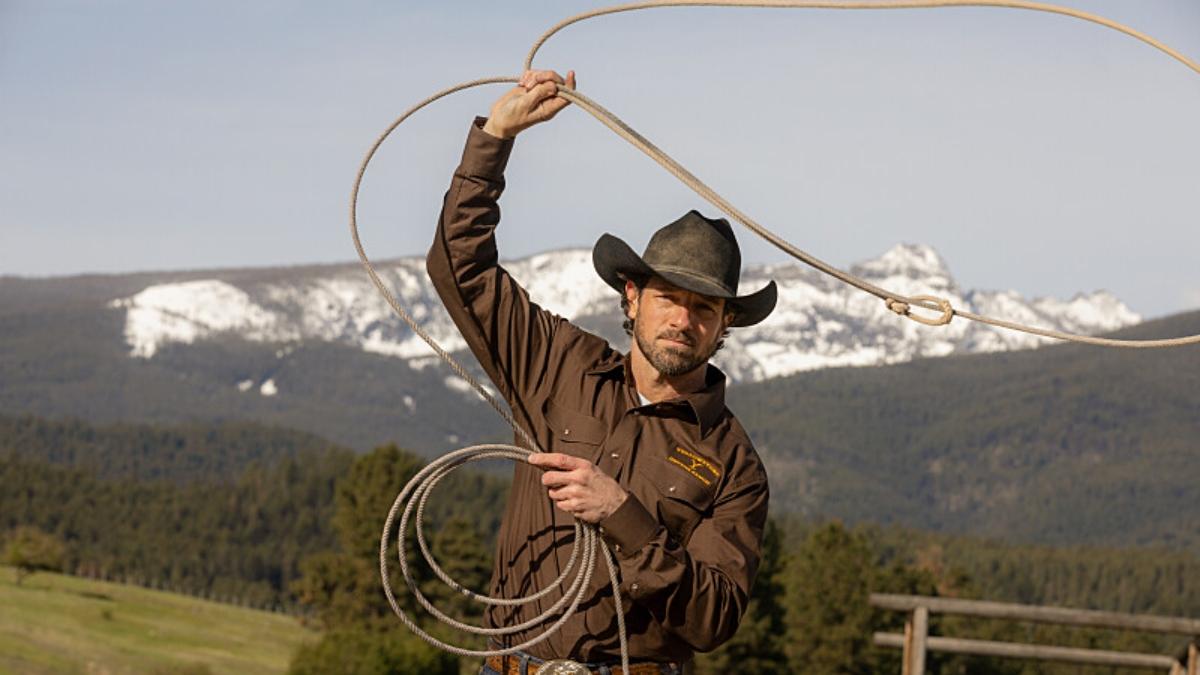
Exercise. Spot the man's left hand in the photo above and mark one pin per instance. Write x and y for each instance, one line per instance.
(579, 487)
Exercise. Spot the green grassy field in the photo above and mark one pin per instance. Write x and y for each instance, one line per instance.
(60, 624)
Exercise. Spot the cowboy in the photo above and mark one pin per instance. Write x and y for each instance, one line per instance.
(638, 443)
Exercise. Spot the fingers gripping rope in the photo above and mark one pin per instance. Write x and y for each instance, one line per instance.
(414, 496)
(410, 503)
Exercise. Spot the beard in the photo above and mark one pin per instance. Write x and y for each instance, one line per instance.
(673, 360)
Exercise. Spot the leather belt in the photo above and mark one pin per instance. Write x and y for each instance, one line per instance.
(511, 665)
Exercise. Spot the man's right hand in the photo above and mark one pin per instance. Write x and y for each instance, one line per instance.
(535, 99)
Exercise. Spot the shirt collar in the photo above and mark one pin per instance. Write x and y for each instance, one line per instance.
(707, 405)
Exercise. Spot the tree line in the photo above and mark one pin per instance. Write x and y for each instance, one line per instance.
(300, 528)
(809, 612)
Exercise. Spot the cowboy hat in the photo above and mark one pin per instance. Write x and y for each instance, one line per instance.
(695, 253)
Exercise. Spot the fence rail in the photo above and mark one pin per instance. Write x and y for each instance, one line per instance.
(916, 641)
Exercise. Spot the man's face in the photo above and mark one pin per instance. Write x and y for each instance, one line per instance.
(676, 330)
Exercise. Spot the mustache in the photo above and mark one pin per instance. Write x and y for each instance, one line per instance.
(678, 335)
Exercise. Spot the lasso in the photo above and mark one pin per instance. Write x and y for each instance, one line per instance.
(582, 564)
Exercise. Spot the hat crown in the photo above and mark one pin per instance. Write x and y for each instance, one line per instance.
(697, 246)
(696, 254)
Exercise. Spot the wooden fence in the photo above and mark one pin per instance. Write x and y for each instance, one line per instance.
(916, 641)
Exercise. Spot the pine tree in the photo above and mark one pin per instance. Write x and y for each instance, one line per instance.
(30, 550)
(366, 493)
(829, 618)
(458, 549)
(758, 646)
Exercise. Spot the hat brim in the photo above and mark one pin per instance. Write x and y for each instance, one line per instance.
(615, 262)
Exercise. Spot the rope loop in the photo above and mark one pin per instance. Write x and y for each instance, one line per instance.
(924, 301)
(573, 583)
(410, 502)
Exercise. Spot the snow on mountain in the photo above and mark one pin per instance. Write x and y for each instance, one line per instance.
(818, 323)
(186, 312)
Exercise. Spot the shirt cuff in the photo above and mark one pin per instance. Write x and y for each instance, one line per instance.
(630, 528)
(485, 155)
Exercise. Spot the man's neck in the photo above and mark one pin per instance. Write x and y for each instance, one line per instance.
(656, 386)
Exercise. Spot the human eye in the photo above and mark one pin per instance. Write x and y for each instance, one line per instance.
(705, 307)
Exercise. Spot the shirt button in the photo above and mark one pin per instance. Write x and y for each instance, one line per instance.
(616, 456)
(617, 548)
(566, 432)
(671, 489)
(633, 587)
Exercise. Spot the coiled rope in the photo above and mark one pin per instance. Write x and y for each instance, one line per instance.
(414, 495)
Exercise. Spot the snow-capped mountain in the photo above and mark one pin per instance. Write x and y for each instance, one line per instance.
(818, 323)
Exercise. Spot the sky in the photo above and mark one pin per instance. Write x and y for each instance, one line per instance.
(1035, 152)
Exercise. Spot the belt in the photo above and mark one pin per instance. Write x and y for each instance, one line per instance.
(511, 665)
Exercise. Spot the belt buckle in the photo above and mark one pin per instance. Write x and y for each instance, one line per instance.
(563, 667)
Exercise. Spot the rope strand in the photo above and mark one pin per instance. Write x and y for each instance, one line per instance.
(410, 503)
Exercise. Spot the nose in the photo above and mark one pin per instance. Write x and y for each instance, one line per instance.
(682, 317)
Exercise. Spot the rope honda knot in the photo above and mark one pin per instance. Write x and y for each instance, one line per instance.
(905, 309)
(896, 306)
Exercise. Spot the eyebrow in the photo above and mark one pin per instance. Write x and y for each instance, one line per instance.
(706, 301)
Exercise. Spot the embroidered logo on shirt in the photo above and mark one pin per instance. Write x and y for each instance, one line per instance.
(694, 464)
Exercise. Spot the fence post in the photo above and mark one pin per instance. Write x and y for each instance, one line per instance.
(906, 655)
(920, 632)
(916, 629)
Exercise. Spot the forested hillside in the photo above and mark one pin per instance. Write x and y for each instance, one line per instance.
(53, 363)
(1060, 445)
(297, 526)
(182, 454)
(230, 510)
(240, 539)
(1063, 445)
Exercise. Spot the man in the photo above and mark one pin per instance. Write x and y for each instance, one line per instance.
(640, 444)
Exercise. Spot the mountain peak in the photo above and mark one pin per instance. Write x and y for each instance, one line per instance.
(818, 322)
(907, 260)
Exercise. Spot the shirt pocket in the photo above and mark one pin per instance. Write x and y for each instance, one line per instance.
(683, 500)
(573, 432)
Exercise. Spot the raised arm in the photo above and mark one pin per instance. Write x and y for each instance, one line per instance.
(510, 335)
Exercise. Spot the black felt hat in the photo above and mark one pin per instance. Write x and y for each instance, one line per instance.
(694, 253)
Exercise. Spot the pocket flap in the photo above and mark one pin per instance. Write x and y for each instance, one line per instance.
(691, 478)
(570, 426)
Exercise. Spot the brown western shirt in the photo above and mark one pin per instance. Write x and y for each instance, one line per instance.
(688, 537)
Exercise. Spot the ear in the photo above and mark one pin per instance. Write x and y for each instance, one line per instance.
(632, 295)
